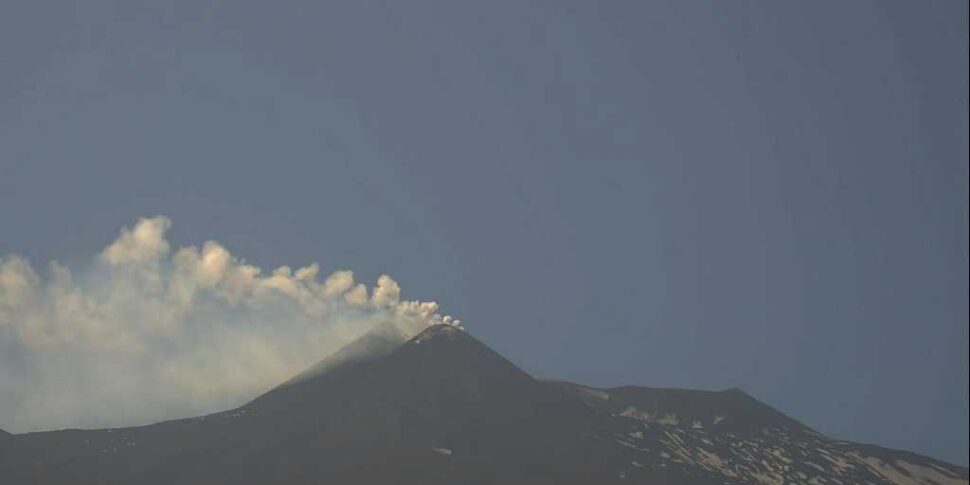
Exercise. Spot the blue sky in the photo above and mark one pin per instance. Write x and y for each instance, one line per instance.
(764, 195)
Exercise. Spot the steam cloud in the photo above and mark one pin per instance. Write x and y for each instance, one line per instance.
(146, 333)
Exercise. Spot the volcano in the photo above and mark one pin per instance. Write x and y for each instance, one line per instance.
(440, 407)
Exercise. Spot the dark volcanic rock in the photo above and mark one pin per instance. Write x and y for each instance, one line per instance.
(443, 408)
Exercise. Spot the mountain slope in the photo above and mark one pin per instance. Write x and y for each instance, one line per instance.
(743, 441)
(730, 411)
(379, 341)
(443, 408)
(441, 396)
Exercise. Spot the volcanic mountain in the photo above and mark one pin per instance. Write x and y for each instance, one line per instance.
(442, 408)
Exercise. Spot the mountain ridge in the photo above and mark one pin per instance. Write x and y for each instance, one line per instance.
(441, 407)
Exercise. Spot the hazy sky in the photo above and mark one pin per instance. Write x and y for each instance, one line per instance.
(764, 195)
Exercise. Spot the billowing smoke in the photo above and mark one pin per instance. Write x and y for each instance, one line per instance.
(149, 333)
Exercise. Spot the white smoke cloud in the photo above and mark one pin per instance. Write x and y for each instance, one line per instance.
(146, 333)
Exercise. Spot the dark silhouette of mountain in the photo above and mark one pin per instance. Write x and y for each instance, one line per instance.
(442, 408)
(377, 342)
(731, 410)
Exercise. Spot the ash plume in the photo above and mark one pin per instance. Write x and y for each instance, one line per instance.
(147, 332)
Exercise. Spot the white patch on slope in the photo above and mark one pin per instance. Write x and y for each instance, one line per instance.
(911, 474)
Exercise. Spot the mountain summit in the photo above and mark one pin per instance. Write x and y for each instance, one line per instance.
(441, 407)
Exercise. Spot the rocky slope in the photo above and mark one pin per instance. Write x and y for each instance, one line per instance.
(443, 408)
